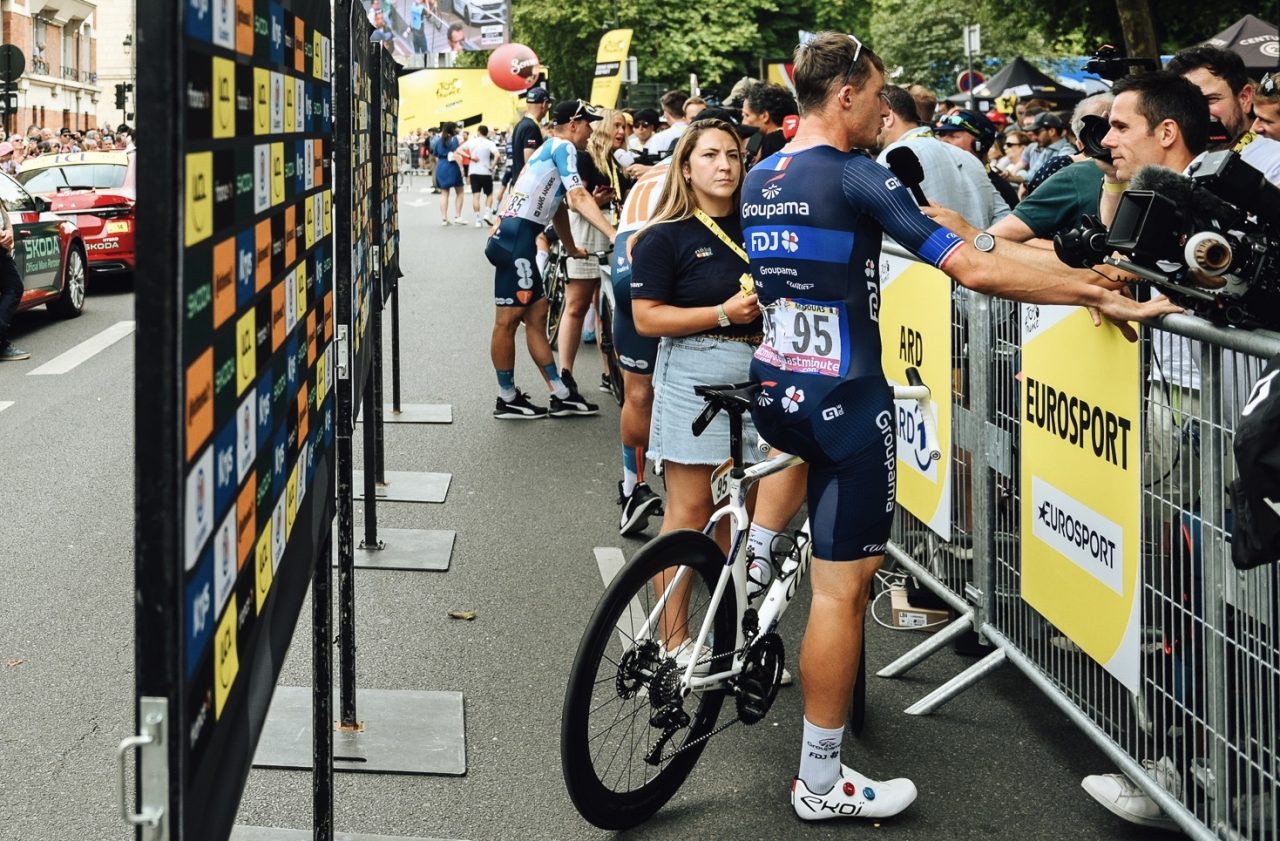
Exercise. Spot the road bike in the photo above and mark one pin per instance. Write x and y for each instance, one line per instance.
(555, 280)
(608, 306)
(646, 690)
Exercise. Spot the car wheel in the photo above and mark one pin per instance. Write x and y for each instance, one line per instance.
(71, 303)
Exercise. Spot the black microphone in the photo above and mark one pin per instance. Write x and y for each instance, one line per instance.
(906, 166)
(1183, 192)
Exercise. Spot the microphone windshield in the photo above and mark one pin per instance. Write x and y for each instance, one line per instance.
(906, 166)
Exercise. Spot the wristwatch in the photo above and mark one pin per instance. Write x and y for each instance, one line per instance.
(722, 316)
(984, 242)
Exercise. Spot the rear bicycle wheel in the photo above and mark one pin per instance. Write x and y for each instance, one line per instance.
(612, 369)
(627, 739)
(554, 283)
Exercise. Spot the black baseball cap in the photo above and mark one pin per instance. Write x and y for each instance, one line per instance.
(575, 109)
(1047, 119)
(648, 116)
(537, 95)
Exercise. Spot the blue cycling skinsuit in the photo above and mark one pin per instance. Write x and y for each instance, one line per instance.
(549, 175)
(813, 221)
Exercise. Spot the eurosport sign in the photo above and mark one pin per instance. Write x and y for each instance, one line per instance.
(1081, 483)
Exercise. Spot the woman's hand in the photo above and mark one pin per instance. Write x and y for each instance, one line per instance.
(602, 196)
(742, 309)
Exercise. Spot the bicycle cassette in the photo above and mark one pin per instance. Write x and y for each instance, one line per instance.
(761, 676)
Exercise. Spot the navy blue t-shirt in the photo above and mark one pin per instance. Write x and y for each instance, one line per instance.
(526, 135)
(813, 221)
(684, 264)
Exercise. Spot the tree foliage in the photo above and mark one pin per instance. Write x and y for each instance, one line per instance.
(723, 42)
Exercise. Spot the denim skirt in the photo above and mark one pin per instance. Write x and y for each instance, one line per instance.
(682, 363)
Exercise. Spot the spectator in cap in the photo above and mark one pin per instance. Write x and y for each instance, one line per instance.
(526, 137)
(975, 134)
(7, 163)
(739, 92)
(646, 123)
(1049, 132)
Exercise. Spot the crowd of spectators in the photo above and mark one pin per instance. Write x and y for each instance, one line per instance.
(20, 147)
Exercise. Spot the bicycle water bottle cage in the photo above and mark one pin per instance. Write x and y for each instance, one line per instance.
(734, 398)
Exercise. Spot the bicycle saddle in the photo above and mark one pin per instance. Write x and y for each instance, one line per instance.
(734, 397)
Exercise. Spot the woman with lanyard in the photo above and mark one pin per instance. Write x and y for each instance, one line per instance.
(687, 287)
(600, 176)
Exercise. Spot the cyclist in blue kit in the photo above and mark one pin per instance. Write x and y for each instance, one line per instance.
(813, 216)
(538, 197)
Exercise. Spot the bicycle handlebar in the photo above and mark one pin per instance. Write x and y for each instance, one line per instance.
(920, 393)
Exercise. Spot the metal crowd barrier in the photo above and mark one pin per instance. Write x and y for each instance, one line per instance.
(1199, 728)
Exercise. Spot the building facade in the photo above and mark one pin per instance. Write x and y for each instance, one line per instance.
(59, 39)
(116, 36)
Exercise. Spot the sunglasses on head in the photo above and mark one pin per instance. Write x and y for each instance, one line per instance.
(857, 54)
(1270, 85)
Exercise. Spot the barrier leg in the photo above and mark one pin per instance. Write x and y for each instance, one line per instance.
(944, 693)
(928, 648)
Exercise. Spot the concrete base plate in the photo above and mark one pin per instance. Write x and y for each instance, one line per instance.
(404, 732)
(403, 486)
(418, 413)
(268, 833)
(428, 550)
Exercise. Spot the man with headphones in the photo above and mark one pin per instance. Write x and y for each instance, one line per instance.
(974, 133)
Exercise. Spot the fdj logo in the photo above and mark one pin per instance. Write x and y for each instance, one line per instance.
(763, 241)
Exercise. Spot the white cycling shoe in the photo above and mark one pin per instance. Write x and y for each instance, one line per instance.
(853, 796)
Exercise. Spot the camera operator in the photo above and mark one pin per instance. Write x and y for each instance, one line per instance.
(1162, 119)
(1221, 76)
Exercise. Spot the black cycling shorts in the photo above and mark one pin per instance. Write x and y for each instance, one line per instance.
(513, 252)
(850, 445)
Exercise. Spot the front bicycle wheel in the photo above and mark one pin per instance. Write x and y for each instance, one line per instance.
(612, 369)
(627, 739)
(554, 283)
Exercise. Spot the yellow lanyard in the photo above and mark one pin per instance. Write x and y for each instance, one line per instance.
(1244, 141)
(745, 282)
(715, 229)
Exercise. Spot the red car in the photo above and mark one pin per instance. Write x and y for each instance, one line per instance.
(97, 190)
(48, 251)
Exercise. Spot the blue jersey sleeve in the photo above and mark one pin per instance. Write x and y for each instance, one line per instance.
(875, 191)
(565, 156)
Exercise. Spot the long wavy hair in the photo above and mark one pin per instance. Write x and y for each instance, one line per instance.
(678, 200)
(600, 144)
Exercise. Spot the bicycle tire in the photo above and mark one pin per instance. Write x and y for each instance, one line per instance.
(612, 369)
(598, 797)
(553, 283)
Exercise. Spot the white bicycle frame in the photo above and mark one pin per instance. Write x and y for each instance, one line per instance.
(734, 573)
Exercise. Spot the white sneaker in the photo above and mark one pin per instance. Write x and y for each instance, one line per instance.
(445, 221)
(458, 220)
(1122, 797)
(479, 224)
(853, 796)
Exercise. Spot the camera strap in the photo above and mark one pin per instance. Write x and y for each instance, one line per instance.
(1245, 139)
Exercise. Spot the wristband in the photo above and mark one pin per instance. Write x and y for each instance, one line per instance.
(1114, 186)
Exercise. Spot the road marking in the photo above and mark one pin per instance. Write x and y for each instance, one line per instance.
(4, 404)
(84, 351)
(611, 560)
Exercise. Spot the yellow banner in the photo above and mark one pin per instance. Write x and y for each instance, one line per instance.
(915, 331)
(431, 97)
(780, 73)
(611, 58)
(1081, 483)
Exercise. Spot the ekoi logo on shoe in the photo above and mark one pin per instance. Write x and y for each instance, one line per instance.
(820, 805)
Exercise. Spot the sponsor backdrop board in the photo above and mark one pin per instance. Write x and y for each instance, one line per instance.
(388, 233)
(915, 331)
(358, 139)
(466, 97)
(235, 373)
(1081, 483)
(611, 58)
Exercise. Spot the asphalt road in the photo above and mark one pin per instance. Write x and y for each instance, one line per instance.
(529, 502)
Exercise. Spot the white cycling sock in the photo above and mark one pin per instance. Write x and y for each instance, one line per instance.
(758, 541)
(820, 757)
(541, 260)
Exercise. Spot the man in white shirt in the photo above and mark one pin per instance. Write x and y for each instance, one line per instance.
(484, 160)
(952, 177)
(664, 142)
